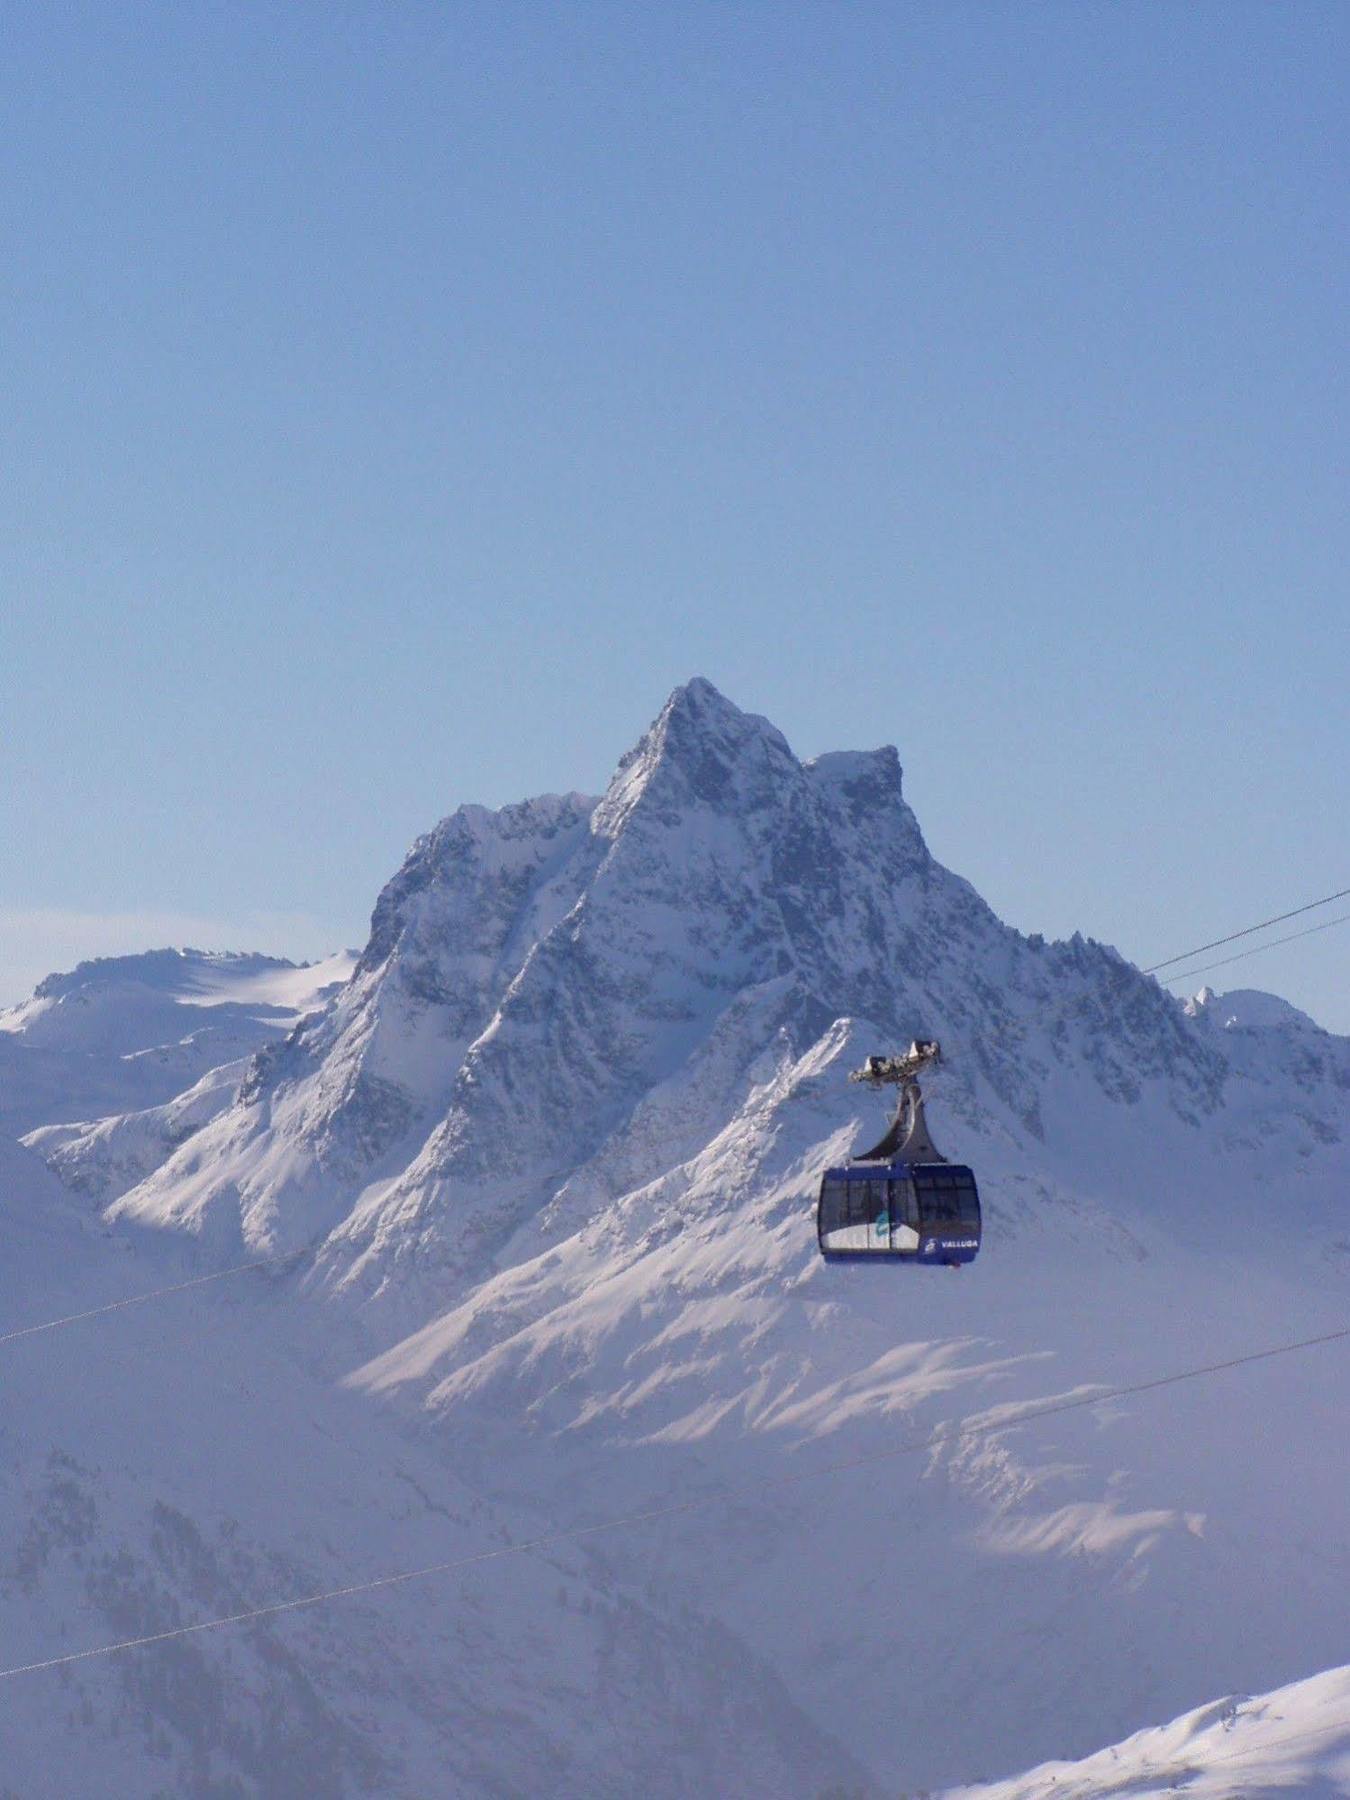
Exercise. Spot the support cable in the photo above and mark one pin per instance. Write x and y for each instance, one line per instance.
(176, 1287)
(1256, 949)
(1246, 931)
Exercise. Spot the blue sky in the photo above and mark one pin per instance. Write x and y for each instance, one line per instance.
(401, 400)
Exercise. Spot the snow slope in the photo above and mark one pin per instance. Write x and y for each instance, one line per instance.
(183, 1459)
(547, 1166)
(131, 1032)
(1247, 1009)
(102, 1158)
(1293, 1742)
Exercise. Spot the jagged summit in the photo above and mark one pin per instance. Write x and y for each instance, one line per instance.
(704, 750)
(475, 854)
(700, 750)
(576, 952)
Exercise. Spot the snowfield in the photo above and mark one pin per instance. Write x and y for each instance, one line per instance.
(128, 1032)
(536, 1183)
(1293, 1741)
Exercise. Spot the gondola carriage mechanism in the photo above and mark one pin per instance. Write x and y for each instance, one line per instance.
(900, 1201)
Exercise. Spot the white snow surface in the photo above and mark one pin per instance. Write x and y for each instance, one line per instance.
(104, 1157)
(131, 1032)
(545, 1167)
(1293, 1742)
(1244, 1009)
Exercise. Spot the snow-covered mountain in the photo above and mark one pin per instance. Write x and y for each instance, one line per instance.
(127, 1032)
(1295, 1741)
(102, 1158)
(566, 999)
(547, 1165)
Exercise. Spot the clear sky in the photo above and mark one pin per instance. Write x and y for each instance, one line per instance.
(400, 399)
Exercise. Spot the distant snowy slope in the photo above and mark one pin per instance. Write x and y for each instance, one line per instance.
(1247, 1009)
(102, 1158)
(128, 1032)
(1293, 1743)
(128, 1004)
(35, 1213)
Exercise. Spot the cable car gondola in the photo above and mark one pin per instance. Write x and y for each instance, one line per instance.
(902, 1200)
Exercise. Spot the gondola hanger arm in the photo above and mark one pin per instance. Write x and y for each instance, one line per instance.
(899, 1071)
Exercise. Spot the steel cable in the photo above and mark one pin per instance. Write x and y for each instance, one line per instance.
(176, 1287)
(1246, 931)
(1256, 949)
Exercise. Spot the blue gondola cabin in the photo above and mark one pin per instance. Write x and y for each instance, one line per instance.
(911, 1212)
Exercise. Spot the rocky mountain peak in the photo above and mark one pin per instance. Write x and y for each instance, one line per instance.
(702, 751)
(565, 995)
(561, 1139)
(469, 862)
(867, 777)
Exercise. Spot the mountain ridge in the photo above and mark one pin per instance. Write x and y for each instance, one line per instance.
(567, 947)
(125, 1033)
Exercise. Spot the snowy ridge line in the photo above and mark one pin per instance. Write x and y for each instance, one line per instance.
(1274, 1743)
(1246, 931)
(1241, 955)
(1256, 949)
(1177, 1767)
(932, 1440)
(175, 1287)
